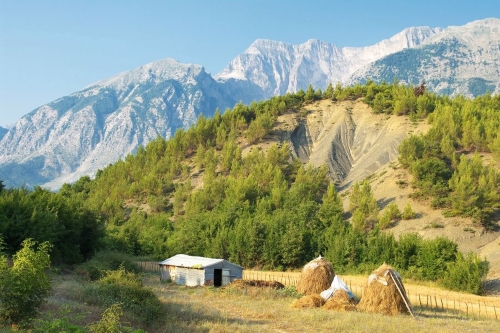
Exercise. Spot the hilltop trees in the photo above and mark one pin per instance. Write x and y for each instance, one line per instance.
(446, 162)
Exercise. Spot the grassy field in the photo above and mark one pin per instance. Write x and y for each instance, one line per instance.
(259, 310)
(209, 309)
(424, 295)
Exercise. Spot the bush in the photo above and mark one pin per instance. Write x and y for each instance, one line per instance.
(390, 215)
(408, 213)
(467, 273)
(25, 285)
(96, 268)
(58, 322)
(126, 288)
(110, 322)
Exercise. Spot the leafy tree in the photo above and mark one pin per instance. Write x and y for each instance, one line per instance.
(310, 94)
(466, 273)
(25, 285)
(408, 213)
(328, 93)
(365, 206)
(391, 214)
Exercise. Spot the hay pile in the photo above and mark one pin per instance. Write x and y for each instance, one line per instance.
(340, 301)
(238, 283)
(308, 301)
(316, 276)
(381, 298)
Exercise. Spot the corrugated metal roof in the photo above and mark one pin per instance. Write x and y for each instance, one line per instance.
(183, 260)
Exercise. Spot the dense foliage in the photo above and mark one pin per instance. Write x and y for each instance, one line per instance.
(74, 230)
(198, 194)
(24, 284)
(447, 162)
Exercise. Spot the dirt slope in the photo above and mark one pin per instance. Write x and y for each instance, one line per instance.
(355, 144)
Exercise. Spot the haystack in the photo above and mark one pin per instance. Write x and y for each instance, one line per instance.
(382, 295)
(308, 301)
(317, 275)
(340, 301)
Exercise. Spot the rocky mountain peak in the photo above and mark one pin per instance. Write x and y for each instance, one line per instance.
(77, 134)
(153, 72)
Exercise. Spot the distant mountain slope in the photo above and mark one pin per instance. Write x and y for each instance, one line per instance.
(78, 134)
(275, 68)
(458, 60)
(3, 130)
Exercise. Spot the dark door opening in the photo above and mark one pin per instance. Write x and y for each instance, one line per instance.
(217, 277)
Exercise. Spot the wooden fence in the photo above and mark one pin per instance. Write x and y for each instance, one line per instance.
(149, 266)
(446, 305)
(462, 307)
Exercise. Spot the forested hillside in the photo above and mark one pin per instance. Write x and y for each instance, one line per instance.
(199, 194)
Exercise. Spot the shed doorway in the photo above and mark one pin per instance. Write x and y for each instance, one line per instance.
(217, 277)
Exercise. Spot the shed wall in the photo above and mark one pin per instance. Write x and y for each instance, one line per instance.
(199, 276)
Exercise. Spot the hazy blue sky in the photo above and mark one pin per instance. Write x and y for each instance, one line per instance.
(52, 48)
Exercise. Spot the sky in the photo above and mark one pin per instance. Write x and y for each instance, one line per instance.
(52, 48)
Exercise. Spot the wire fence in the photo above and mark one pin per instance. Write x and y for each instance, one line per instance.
(446, 306)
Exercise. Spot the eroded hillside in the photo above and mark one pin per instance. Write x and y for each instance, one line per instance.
(356, 144)
(346, 136)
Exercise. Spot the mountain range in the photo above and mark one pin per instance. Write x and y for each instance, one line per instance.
(81, 133)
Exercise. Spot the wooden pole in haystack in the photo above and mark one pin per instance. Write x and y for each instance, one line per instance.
(397, 282)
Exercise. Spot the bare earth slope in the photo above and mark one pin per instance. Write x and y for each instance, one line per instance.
(356, 144)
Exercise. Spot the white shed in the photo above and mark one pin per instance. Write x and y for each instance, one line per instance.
(199, 271)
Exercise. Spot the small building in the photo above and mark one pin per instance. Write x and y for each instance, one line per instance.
(199, 271)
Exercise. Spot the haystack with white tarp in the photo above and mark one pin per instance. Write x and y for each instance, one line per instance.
(337, 284)
(338, 296)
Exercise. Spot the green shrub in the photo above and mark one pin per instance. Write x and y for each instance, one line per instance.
(58, 322)
(110, 322)
(56, 326)
(467, 273)
(96, 268)
(390, 214)
(126, 288)
(25, 285)
(408, 213)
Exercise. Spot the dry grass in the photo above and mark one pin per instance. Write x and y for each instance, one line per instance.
(238, 283)
(380, 298)
(316, 276)
(254, 309)
(421, 294)
(203, 309)
(340, 301)
(308, 301)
